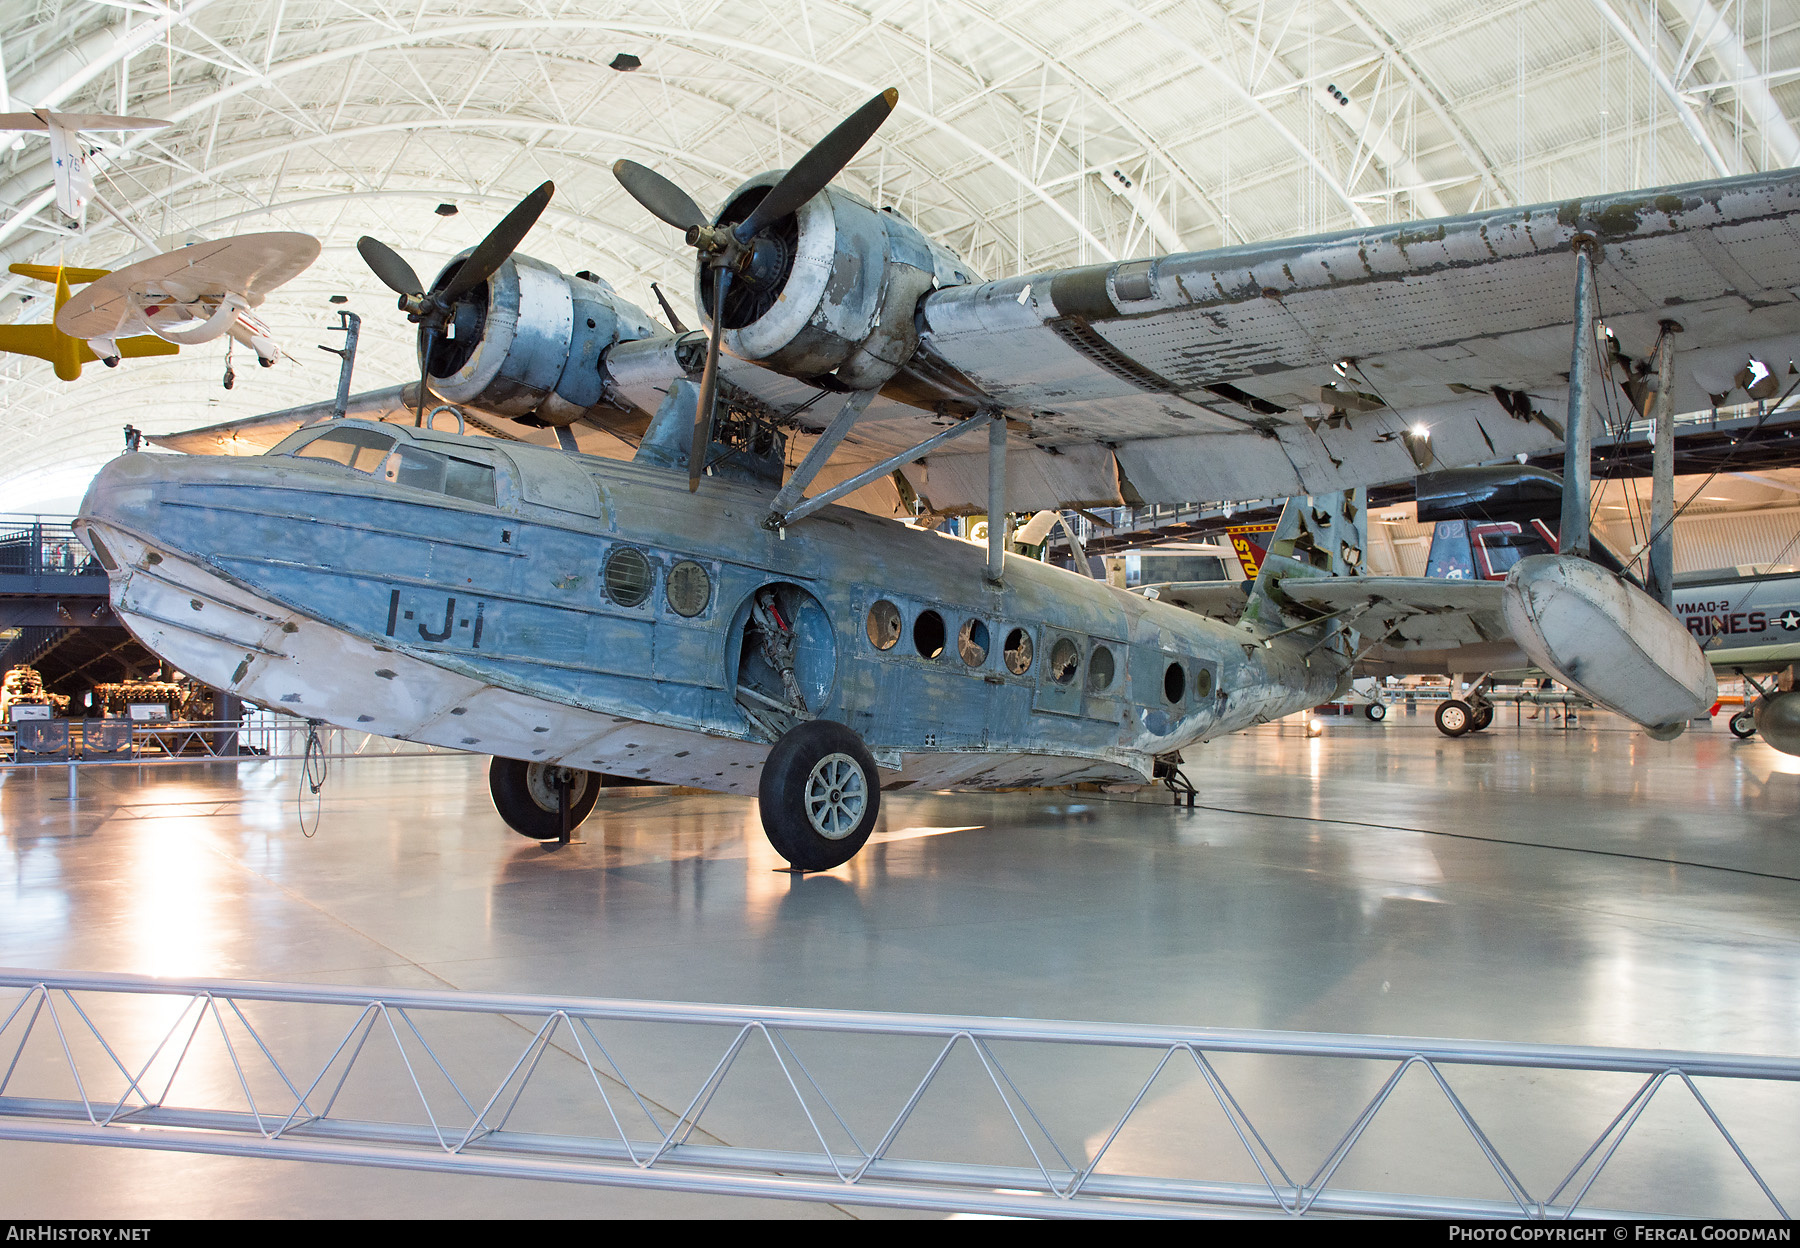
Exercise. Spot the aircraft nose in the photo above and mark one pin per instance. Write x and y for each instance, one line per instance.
(125, 491)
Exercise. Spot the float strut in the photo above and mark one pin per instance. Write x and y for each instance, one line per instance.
(1662, 472)
(1578, 437)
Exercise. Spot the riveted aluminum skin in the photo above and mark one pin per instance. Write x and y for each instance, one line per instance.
(489, 627)
(849, 301)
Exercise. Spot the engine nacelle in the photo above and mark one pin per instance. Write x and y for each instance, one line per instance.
(830, 292)
(528, 342)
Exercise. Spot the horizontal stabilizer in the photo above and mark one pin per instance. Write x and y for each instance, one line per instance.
(48, 273)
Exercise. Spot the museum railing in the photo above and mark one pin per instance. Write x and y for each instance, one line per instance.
(951, 1113)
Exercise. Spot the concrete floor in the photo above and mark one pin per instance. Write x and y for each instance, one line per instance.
(1532, 884)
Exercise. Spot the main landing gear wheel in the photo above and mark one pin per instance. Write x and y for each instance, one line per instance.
(1743, 725)
(1375, 712)
(1454, 718)
(819, 795)
(528, 797)
(1480, 717)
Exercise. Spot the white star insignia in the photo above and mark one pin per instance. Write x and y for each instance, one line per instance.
(1790, 620)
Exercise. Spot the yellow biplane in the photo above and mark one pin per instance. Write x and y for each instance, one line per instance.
(67, 354)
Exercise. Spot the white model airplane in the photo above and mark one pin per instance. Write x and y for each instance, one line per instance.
(74, 180)
(191, 295)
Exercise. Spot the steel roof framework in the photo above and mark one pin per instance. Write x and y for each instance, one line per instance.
(1021, 123)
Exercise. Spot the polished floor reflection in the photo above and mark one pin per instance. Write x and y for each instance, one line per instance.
(1588, 886)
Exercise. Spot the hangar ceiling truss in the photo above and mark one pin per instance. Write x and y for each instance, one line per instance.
(1031, 134)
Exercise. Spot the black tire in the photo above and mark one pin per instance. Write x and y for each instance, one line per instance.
(1375, 712)
(1480, 717)
(1454, 718)
(1743, 725)
(521, 790)
(818, 778)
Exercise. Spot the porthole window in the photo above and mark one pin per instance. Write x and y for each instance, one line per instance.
(627, 576)
(1175, 682)
(689, 589)
(1100, 669)
(929, 634)
(972, 642)
(884, 625)
(1065, 661)
(1018, 652)
(1202, 682)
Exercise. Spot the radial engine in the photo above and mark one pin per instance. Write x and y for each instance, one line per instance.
(530, 342)
(831, 293)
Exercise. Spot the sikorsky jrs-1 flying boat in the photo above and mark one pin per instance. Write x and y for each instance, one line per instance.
(695, 616)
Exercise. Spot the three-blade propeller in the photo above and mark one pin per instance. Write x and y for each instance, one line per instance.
(432, 309)
(726, 251)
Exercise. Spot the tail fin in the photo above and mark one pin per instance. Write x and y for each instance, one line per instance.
(51, 272)
(1319, 535)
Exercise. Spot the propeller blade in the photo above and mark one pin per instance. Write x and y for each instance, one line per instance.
(429, 342)
(819, 166)
(394, 272)
(660, 197)
(709, 384)
(499, 244)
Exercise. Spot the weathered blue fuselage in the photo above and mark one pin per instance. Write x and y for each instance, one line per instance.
(497, 619)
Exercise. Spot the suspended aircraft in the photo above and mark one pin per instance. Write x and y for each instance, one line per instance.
(69, 154)
(695, 616)
(192, 295)
(67, 353)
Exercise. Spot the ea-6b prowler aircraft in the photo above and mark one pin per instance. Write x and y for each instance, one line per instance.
(695, 617)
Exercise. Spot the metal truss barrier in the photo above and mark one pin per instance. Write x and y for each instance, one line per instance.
(114, 742)
(362, 1076)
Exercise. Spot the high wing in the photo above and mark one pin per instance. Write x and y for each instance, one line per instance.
(1276, 369)
(1304, 366)
(1211, 375)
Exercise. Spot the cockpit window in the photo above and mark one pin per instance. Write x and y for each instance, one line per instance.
(441, 474)
(359, 449)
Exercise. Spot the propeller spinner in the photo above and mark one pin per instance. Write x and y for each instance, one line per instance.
(731, 250)
(432, 309)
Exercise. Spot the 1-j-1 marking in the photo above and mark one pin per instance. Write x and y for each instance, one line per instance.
(451, 622)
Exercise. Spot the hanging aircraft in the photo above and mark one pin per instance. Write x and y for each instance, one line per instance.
(67, 353)
(192, 295)
(69, 154)
(694, 616)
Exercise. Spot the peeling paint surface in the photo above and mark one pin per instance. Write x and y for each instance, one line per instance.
(509, 629)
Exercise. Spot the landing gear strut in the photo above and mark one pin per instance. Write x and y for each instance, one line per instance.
(819, 795)
(531, 796)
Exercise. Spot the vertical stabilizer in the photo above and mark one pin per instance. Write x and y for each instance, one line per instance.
(1319, 535)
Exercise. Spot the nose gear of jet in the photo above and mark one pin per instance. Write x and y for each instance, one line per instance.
(819, 796)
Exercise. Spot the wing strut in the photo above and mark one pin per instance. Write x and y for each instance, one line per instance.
(778, 519)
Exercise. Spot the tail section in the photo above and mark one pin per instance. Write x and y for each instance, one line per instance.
(1319, 535)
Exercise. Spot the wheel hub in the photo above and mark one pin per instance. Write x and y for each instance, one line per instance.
(837, 795)
(544, 780)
